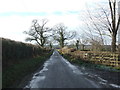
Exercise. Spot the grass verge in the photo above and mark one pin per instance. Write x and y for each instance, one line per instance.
(15, 73)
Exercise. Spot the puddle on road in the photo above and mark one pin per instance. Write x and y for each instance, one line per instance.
(96, 78)
(101, 80)
(115, 85)
(105, 82)
(34, 83)
(39, 76)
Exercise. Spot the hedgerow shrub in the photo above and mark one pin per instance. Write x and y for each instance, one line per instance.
(13, 51)
(20, 59)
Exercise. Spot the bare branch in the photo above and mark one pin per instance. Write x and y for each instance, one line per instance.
(38, 32)
(118, 23)
(60, 34)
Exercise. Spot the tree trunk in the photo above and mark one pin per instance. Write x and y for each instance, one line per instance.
(61, 43)
(114, 43)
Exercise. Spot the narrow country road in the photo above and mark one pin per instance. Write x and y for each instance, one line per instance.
(59, 73)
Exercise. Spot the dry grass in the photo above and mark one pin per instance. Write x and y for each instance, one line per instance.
(97, 57)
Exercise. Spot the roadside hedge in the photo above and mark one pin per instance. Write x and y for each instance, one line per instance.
(20, 59)
(13, 51)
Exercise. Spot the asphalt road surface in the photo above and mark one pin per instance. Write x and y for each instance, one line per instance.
(59, 73)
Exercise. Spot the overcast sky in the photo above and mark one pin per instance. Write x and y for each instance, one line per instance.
(16, 15)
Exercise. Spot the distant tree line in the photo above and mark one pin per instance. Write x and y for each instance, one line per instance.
(40, 33)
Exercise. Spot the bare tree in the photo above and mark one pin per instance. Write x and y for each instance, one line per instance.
(96, 44)
(114, 24)
(61, 35)
(38, 33)
(89, 37)
(109, 22)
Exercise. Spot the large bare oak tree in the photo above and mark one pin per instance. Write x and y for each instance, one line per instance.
(61, 34)
(38, 33)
